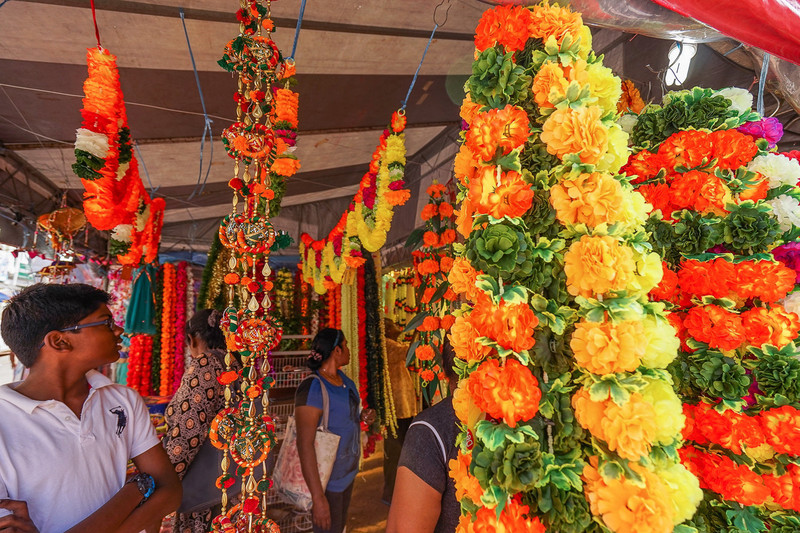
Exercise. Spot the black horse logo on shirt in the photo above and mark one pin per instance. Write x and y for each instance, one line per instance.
(122, 419)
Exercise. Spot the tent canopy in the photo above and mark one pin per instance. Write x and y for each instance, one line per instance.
(355, 62)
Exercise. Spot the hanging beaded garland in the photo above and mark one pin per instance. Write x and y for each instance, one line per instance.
(242, 428)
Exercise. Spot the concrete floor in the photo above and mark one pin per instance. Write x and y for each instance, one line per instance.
(367, 512)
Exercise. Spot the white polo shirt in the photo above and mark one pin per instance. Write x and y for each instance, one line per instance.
(67, 467)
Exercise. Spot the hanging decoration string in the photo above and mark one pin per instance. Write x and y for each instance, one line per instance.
(96, 29)
(144, 167)
(297, 28)
(762, 82)
(436, 26)
(207, 128)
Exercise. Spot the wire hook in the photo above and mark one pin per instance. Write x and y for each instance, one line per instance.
(446, 12)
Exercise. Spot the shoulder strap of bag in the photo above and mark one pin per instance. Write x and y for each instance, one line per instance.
(325, 402)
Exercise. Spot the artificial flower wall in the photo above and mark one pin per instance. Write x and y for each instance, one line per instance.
(722, 201)
(569, 419)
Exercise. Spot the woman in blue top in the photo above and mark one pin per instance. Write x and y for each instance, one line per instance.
(329, 352)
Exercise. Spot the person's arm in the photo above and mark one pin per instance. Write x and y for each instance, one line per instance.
(415, 505)
(307, 420)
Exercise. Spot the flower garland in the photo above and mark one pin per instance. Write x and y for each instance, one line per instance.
(140, 356)
(399, 296)
(721, 203)
(432, 262)
(170, 303)
(560, 395)
(182, 304)
(367, 220)
(363, 375)
(285, 126)
(115, 198)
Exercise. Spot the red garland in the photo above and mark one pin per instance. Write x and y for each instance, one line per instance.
(362, 338)
(180, 325)
(140, 355)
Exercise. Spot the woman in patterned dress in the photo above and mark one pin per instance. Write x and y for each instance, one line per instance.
(195, 404)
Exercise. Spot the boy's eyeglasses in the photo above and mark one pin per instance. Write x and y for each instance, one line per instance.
(109, 322)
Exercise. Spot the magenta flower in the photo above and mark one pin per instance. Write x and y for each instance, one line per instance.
(769, 128)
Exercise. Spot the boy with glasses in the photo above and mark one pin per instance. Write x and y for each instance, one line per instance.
(67, 432)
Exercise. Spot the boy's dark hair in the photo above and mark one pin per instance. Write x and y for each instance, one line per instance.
(204, 325)
(448, 359)
(323, 345)
(41, 308)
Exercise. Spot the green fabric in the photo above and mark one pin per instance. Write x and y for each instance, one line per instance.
(141, 316)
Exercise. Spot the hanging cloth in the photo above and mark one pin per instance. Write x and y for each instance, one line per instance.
(140, 317)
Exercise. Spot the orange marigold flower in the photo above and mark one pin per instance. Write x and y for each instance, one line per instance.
(503, 25)
(285, 166)
(598, 264)
(467, 485)
(464, 165)
(465, 218)
(427, 375)
(715, 326)
(231, 278)
(499, 194)
(448, 236)
(462, 277)
(764, 280)
(464, 405)
(430, 239)
(429, 211)
(687, 148)
(468, 109)
(626, 506)
(782, 428)
(645, 165)
(424, 352)
(513, 519)
(607, 347)
(504, 129)
(555, 21)
(436, 190)
(631, 99)
(446, 322)
(732, 149)
(755, 192)
(511, 326)
(428, 266)
(667, 288)
(510, 392)
(659, 196)
(781, 488)
(590, 199)
(445, 263)
(576, 131)
(710, 278)
(430, 323)
(701, 192)
(427, 294)
(445, 210)
(464, 339)
(550, 78)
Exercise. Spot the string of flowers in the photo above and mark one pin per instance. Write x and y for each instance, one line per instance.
(569, 420)
(181, 300)
(432, 262)
(140, 355)
(169, 298)
(115, 198)
(399, 296)
(368, 218)
(285, 124)
(363, 375)
(721, 203)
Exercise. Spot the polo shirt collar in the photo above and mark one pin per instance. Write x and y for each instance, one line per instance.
(96, 381)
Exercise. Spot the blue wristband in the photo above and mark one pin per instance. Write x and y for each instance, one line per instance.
(146, 485)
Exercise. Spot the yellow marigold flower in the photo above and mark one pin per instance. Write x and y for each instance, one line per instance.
(577, 131)
(683, 489)
(549, 80)
(590, 199)
(598, 264)
(616, 152)
(608, 347)
(604, 86)
(668, 409)
(648, 274)
(396, 149)
(467, 412)
(662, 342)
(634, 209)
(585, 35)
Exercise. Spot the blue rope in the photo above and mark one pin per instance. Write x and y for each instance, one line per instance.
(207, 128)
(3, 3)
(297, 28)
(144, 167)
(762, 81)
(414, 79)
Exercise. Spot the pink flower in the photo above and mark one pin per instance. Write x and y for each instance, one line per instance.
(769, 128)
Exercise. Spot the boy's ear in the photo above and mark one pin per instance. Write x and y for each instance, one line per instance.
(56, 340)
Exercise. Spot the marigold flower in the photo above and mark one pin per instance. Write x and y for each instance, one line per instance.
(427, 375)
(510, 392)
(701, 192)
(462, 277)
(465, 217)
(468, 109)
(631, 99)
(430, 323)
(428, 266)
(608, 347)
(448, 236)
(668, 409)
(712, 278)
(430, 239)
(467, 485)
(505, 129)
(445, 210)
(576, 131)
(436, 189)
(464, 340)
(732, 149)
(429, 211)
(503, 25)
(554, 21)
(782, 428)
(513, 519)
(499, 194)
(446, 262)
(549, 79)
(598, 264)
(661, 342)
(467, 412)
(510, 325)
(424, 352)
(590, 199)
(231, 278)
(667, 289)
(446, 322)
(285, 166)
(715, 326)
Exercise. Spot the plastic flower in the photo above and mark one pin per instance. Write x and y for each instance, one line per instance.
(505, 129)
(503, 25)
(510, 325)
(597, 264)
(467, 411)
(779, 169)
(617, 153)
(787, 211)
(549, 79)
(555, 21)
(626, 506)
(467, 485)
(500, 194)
(590, 199)
(604, 86)
(668, 409)
(700, 191)
(510, 392)
(782, 429)
(465, 164)
(768, 128)
(608, 347)
(715, 326)
(661, 342)
(741, 99)
(513, 519)
(683, 488)
(576, 131)
(462, 278)
(464, 340)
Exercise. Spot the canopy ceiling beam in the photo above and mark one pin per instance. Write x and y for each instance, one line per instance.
(138, 8)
